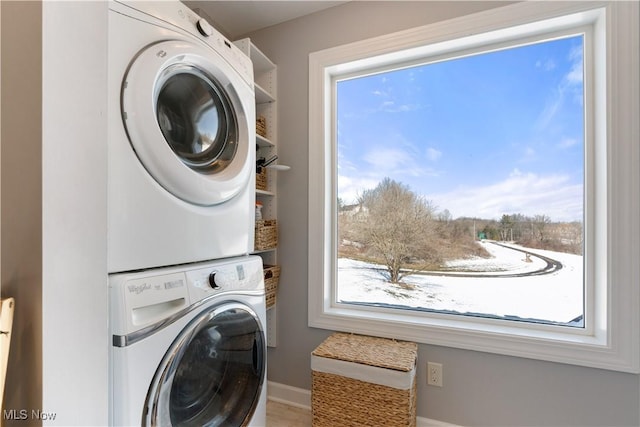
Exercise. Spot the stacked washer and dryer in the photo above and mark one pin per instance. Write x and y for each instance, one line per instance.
(187, 310)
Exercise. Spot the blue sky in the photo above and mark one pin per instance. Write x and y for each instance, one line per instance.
(482, 136)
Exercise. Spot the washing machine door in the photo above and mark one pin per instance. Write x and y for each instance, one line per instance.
(213, 373)
(189, 117)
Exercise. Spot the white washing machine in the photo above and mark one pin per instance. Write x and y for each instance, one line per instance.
(189, 347)
(181, 150)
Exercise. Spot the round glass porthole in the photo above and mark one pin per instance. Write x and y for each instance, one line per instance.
(213, 373)
(196, 119)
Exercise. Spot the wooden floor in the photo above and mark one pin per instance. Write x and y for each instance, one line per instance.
(281, 415)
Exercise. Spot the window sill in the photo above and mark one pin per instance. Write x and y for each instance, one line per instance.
(557, 344)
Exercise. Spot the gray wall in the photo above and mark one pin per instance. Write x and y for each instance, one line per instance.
(22, 199)
(480, 389)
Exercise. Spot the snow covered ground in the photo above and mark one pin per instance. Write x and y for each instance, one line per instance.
(555, 297)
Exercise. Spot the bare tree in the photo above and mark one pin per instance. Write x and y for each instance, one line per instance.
(445, 216)
(506, 227)
(396, 226)
(539, 224)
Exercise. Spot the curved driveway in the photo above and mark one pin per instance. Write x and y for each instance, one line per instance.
(551, 266)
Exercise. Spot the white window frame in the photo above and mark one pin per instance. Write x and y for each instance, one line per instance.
(611, 337)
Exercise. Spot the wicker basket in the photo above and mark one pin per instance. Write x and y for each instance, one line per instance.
(266, 236)
(363, 381)
(261, 179)
(261, 126)
(271, 279)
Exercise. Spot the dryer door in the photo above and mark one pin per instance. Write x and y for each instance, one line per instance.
(189, 117)
(213, 373)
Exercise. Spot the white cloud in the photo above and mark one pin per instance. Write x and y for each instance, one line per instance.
(567, 142)
(529, 152)
(350, 187)
(433, 154)
(390, 161)
(398, 159)
(551, 108)
(392, 107)
(546, 65)
(575, 75)
(525, 193)
(571, 83)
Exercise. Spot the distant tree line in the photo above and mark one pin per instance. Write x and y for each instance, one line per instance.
(537, 231)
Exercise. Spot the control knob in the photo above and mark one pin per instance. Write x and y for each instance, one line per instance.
(204, 27)
(212, 281)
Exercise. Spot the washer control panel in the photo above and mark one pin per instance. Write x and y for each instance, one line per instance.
(226, 277)
(142, 298)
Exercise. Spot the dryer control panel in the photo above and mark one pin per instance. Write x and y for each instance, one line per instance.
(180, 17)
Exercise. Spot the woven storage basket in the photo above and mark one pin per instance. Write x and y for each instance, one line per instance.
(261, 126)
(266, 236)
(261, 179)
(271, 279)
(363, 381)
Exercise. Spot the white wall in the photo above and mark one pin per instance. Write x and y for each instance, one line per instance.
(479, 388)
(75, 342)
(54, 208)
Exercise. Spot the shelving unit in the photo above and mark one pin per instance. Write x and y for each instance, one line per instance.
(265, 83)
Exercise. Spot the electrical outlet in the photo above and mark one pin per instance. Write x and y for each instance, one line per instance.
(434, 374)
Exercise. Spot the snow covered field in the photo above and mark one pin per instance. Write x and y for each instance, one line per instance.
(555, 297)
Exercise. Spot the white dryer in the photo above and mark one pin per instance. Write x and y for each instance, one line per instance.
(181, 150)
(189, 347)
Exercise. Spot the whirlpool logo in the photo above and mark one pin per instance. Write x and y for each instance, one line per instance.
(138, 289)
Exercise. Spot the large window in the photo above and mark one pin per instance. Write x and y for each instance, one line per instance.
(460, 185)
(463, 189)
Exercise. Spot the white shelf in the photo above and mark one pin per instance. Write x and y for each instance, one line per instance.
(265, 193)
(262, 96)
(261, 64)
(265, 251)
(265, 84)
(263, 142)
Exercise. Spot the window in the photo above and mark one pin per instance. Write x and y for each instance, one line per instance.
(460, 185)
(594, 318)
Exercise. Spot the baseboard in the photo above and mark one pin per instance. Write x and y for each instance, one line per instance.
(301, 398)
(294, 396)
